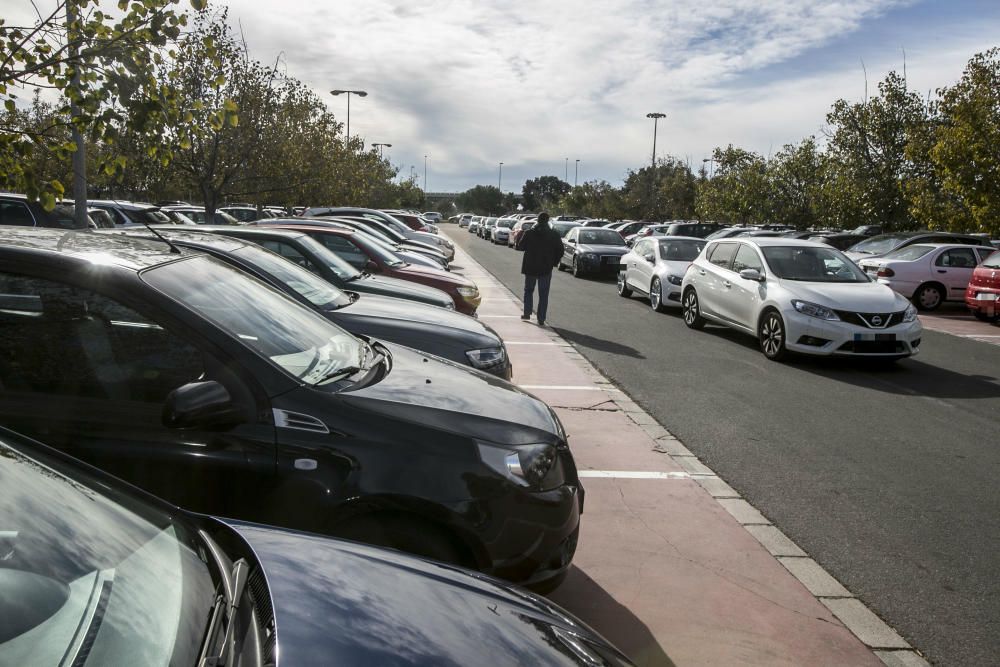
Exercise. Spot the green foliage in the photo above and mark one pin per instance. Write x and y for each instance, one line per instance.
(666, 192)
(539, 193)
(482, 200)
(738, 191)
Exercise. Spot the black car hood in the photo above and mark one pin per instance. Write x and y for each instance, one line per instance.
(399, 288)
(343, 603)
(378, 310)
(434, 392)
(599, 249)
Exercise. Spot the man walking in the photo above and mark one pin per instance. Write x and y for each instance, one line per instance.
(542, 249)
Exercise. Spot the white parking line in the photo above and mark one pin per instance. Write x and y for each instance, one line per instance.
(980, 336)
(572, 387)
(639, 474)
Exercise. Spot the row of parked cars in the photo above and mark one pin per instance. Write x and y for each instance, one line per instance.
(285, 382)
(790, 289)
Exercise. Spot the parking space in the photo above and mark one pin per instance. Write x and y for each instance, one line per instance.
(954, 319)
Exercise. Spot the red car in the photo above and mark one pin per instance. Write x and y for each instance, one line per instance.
(360, 252)
(982, 296)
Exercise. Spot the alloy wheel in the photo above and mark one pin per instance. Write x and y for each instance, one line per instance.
(656, 295)
(772, 336)
(692, 313)
(623, 288)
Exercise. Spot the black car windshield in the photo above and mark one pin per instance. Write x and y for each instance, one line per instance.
(379, 249)
(598, 236)
(323, 254)
(303, 282)
(79, 557)
(303, 343)
(878, 245)
(813, 265)
(909, 253)
(681, 250)
(506, 223)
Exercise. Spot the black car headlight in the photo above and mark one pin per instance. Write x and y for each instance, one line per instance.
(533, 466)
(674, 280)
(487, 357)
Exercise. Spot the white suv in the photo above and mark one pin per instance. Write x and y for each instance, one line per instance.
(797, 296)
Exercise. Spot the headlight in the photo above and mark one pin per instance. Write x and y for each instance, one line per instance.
(588, 256)
(910, 313)
(533, 466)
(814, 310)
(487, 357)
(468, 292)
(674, 280)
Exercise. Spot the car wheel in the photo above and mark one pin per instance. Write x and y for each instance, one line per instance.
(576, 269)
(408, 534)
(623, 289)
(692, 311)
(656, 296)
(928, 297)
(772, 336)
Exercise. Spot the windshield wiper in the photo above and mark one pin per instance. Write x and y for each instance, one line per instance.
(234, 580)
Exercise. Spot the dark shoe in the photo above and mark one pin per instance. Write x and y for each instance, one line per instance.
(525, 317)
(541, 323)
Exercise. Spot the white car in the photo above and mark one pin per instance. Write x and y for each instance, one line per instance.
(656, 267)
(501, 232)
(797, 296)
(928, 273)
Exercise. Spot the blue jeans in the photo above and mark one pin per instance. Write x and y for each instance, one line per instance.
(543, 294)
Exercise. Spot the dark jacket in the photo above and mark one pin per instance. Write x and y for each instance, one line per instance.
(542, 250)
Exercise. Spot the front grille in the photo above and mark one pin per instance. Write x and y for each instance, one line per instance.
(261, 600)
(868, 320)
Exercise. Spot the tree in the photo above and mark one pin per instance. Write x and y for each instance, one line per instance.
(795, 185)
(965, 152)
(101, 65)
(597, 199)
(738, 193)
(482, 199)
(542, 191)
(666, 192)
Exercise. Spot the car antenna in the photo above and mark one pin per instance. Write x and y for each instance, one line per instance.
(173, 249)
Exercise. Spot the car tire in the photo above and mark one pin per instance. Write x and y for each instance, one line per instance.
(928, 297)
(692, 310)
(405, 533)
(576, 269)
(656, 296)
(623, 288)
(771, 334)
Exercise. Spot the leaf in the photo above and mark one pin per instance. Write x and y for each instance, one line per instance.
(48, 201)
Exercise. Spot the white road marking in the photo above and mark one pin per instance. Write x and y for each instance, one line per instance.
(639, 474)
(531, 342)
(980, 336)
(571, 387)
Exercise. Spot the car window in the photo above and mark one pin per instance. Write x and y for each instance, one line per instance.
(305, 283)
(959, 258)
(909, 253)
(599, 236)
(344, 249)
(289, 252)
(809, 264)
(878, 245)
(15, 213)
(993, 261)
(680, 250)
(747, 258)
(984, 253)
(722, 253)
(63, 340)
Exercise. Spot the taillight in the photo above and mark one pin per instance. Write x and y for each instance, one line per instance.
(885, 272)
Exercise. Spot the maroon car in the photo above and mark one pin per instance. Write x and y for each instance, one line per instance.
(361, 252)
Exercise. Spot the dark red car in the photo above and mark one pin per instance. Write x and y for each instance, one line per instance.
(982, 296)
(358, 250)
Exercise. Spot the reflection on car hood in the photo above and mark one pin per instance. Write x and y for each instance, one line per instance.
(440, 394)
(856, 297)
(673, 267)
(387, 308)
(439, 275)
(339, 602)
(603, 249)
(403, 287)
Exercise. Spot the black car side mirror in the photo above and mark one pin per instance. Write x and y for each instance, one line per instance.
(371, 266)
(573, 241)
(200, 405)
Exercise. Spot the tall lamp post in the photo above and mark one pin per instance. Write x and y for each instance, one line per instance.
(566, 177)
(711, 165)
(656, 117)
(380, 146)
(576, 173)
(359, 93)
(500, 179)
(425, 173)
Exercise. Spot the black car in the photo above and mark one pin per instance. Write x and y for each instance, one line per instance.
(876, 246)
(447, 334)
(19, 211)
(313, 255)
(145, 583)
(592, 250)
(840, 241)
(198, 383)
(563, 228)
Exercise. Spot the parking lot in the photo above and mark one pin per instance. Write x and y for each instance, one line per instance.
(883, 475)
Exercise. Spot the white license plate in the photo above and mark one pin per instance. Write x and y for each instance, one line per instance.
(874, 336)
(984, 296)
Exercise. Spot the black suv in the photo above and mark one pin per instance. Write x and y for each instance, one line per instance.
(19, 211)
(198, 383)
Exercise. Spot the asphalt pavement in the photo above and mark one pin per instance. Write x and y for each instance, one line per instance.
(885, 476)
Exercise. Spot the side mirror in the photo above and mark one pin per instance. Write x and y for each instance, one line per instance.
(200, 405)
(649, 258)
(751, 274)
(371, 266)
(573, 241)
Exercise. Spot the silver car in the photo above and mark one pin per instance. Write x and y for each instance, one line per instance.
(656, 266)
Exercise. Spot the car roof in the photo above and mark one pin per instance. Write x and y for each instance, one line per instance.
(127, 205)
(772, 242)
(305, 226)
(194, 237)
(252, 230)
(85, 246)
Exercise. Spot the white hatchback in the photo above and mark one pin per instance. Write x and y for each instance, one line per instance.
(928, 273)
(797, 296)
(655, 266)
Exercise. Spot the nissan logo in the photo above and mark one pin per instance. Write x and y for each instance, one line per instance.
(877, 321)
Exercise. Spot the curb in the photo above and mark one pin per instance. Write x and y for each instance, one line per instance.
(872, 631)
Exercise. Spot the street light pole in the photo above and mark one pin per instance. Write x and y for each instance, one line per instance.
(425, 173)
(566, 177)
(576, 173)
(359, 93)
(380, 146)
(656, 117)
(711, 165)
(500, 179)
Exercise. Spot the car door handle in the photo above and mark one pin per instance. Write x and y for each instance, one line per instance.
(942, 271)
(701, 272)
(726, 283)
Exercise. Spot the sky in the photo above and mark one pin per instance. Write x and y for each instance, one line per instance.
(539, 85)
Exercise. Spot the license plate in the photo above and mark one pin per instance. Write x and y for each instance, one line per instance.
(986, 296)
(884, 337)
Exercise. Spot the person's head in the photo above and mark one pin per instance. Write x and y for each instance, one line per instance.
(543, 218)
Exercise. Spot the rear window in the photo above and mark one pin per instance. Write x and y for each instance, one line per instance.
(993, 261)
(680, 250)
(909, 253)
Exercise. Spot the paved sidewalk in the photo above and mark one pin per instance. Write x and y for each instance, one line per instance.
(673, 566)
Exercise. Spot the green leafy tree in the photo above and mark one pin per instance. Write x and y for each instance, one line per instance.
(540, 192)
(739, 191)
(101, 61)
(796, 175)
(482, 200)
(666, 192)
(596, 199)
